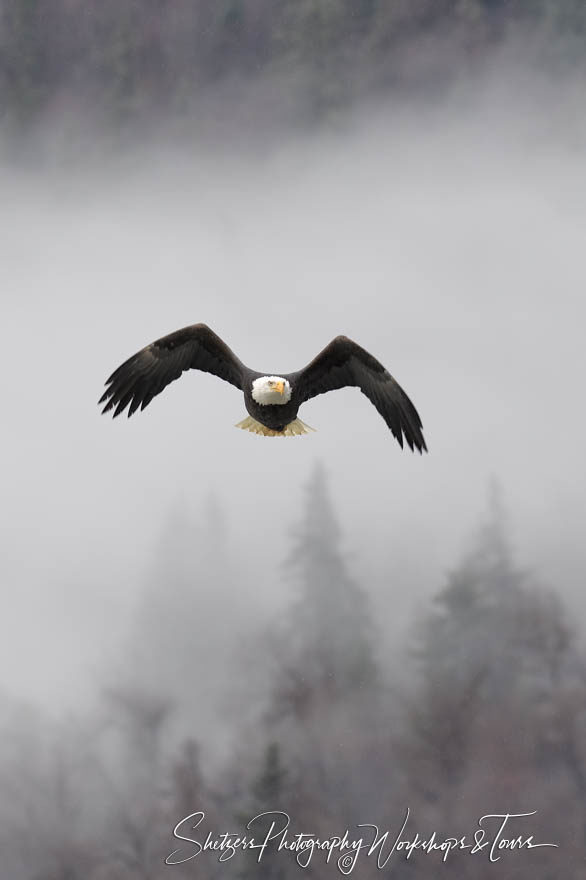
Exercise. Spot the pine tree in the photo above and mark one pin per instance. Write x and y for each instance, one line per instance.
(188, 787)
(329, 624)
(473, 628)
(188, 613)
(268, 793)
(495, 659)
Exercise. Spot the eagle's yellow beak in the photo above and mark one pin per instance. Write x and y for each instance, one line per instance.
(280, 387)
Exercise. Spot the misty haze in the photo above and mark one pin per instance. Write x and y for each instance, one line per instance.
(198, 618)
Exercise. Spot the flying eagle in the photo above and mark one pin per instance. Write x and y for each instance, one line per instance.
(272, 401)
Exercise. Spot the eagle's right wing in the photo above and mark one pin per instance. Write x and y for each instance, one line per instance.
(151, 369)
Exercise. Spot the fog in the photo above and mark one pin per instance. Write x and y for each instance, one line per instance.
(446, 238)
(448, 245)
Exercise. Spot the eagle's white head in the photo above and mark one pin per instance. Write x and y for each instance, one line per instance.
(270, 390)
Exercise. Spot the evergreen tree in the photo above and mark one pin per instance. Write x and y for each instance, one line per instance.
(329, 624)
(473, 628)
(268, 793)
(188, 787)
(495, 654)
(188, 613)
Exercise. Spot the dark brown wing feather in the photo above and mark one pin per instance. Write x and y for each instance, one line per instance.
(150, 370)
(343, 363)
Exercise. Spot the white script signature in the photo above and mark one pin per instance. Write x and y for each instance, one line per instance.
(495, 834)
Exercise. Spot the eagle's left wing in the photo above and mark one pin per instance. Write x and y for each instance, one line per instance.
(343, 363)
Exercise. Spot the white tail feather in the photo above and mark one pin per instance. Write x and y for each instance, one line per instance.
(293, 429)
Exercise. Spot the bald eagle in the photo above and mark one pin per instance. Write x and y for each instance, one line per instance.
(272, 401)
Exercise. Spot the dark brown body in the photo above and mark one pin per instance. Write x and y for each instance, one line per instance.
(275, 416)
